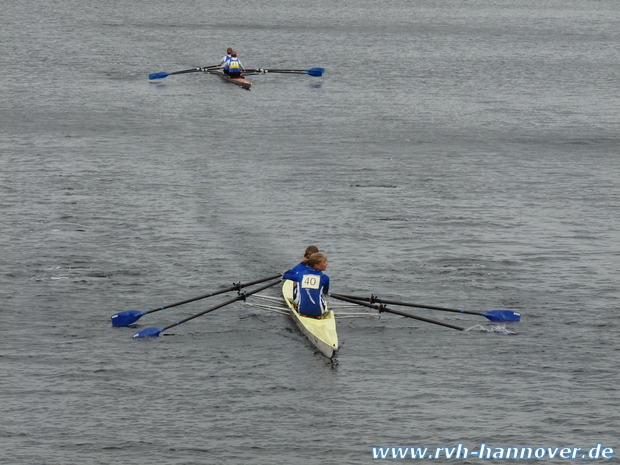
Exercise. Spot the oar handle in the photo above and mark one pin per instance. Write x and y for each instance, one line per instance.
(383, 308)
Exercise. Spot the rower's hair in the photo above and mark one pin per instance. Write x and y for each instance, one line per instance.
(315, 259)
(309, 251)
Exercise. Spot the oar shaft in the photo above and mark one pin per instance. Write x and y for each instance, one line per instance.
(194, 70)
(421, 318)
(241, 296)
(211, 294)
(223, 304)
(271, 70)
(312, 71)
(406, 304)
(163, 75)
(382, 308)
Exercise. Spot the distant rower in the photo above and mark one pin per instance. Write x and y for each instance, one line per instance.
(233, 66)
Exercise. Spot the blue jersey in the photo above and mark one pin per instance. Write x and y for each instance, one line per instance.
(298, 268)
(233, 65)
(311, 284)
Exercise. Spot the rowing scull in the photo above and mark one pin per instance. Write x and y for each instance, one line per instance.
(320, 331)
(240, 81)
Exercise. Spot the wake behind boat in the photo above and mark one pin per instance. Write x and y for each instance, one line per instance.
(320, 331)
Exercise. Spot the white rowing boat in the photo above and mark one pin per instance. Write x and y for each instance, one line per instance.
(320, 331)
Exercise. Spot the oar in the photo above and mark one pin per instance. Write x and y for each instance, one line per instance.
(383, 308)
(154, 332)
(317, 72)
(493, 315)
(131, 316)
(193, 70)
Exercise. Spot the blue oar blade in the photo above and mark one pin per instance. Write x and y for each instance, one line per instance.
(148, 332)
(502, 315)
(126, 318)
(318, 72)
(158, 75)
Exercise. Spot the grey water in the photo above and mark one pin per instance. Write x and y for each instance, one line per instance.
(462, 154)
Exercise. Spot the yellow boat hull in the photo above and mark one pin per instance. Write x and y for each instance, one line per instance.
(320, 331)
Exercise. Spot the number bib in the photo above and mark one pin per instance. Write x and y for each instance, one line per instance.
(311, 281)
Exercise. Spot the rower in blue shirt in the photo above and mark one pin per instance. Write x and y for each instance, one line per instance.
(312, 283)
(233, 66)
(302, 265)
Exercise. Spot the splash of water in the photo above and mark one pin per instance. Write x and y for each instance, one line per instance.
(500, 329)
